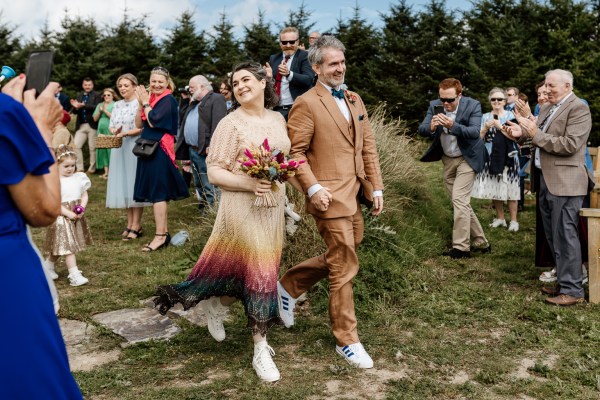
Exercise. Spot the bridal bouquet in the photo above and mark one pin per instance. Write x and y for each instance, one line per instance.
(270, 164)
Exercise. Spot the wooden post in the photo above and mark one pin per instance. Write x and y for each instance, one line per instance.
(593, 218)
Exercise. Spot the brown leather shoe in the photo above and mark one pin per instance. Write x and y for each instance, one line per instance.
(565, 300)
(551, 290)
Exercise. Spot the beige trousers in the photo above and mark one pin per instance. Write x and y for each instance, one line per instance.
(83, 134)
(458, 180)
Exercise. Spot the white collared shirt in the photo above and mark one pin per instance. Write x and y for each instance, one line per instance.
(340, 102)
(285, 98)
(449, 141)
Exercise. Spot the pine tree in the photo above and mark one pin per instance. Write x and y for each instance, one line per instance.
(300, 20)
(224, 51)
(10, 47)
(126, 48)
(362, 55)
(399, 82)
(76, 52)
(259, 41)
(185, 51)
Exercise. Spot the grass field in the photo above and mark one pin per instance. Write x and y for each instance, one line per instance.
(436, 328)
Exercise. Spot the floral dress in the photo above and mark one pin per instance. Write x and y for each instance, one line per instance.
(504, 186)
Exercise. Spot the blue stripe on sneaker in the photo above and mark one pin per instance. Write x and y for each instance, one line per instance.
(347, 351)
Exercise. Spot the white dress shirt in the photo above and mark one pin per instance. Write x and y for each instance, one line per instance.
(449, 141)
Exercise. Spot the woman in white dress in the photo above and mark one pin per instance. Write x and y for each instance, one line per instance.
(123, 163)
(499, 179)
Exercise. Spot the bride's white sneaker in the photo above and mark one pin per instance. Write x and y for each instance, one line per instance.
(263, 362)
(215, 314)
(356, 355)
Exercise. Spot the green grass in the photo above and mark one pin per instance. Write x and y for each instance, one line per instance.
(436, 328)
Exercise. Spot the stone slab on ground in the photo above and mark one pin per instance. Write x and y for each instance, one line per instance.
(195, 315)
(84, 354)
(138, 324)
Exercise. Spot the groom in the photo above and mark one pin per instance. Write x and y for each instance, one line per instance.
(330, 130)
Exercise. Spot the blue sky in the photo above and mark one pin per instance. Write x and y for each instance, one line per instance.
(161, 14)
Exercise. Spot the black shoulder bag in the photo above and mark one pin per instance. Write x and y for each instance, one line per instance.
(144, 148)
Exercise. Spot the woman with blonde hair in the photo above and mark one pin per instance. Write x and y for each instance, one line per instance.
(157, 179)
(119, 189)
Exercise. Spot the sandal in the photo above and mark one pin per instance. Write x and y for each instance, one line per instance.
(137, 234)
(125, 233)
(147, 247)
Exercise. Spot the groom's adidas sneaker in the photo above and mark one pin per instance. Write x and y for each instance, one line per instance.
(356, 355)
(286, 306)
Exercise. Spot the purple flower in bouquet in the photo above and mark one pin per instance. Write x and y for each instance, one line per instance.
(78, 209)
(270, 164)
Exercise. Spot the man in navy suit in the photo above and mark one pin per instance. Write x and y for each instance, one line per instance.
(456, 141)
(290, 69)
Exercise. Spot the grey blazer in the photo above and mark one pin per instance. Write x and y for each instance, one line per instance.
(211, 110)
(562, 148)
(466, 129)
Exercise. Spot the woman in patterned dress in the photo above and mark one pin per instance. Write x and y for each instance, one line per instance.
(119, 189)
(241, 258)
(499, 179)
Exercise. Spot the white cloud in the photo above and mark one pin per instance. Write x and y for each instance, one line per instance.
(29, 16)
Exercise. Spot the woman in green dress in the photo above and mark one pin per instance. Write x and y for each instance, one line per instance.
(102, 115)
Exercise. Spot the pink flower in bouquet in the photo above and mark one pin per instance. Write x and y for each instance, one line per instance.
(270, 164)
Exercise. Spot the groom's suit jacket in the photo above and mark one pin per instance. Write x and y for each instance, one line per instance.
(562, 148)
(339, 155)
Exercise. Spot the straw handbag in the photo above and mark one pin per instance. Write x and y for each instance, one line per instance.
(108, 141)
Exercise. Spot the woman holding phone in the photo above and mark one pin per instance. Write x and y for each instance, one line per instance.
(34, 357)
(499, 179)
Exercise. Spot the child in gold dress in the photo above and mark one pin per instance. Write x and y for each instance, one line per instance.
(69, 234)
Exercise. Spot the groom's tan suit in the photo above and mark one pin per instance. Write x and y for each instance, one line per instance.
(340, 155)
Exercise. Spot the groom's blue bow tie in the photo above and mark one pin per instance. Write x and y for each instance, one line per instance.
(337, 93)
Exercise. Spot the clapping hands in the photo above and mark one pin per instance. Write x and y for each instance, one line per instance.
(142, 94)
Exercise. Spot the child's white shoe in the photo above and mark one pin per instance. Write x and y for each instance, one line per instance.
(76, 278)
(49, 266)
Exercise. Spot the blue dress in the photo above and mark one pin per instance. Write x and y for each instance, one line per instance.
(33, 357)
(157, 178)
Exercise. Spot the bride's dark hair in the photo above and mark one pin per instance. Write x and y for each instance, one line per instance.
(271, 98)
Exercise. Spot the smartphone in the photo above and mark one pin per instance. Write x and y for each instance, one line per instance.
(39, 67)
(439, 109)
(495, 116)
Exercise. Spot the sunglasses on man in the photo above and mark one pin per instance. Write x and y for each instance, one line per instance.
(447, 100)
(284, 42)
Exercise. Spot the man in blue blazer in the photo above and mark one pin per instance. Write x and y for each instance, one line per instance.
(290, 69)
(453, 122)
